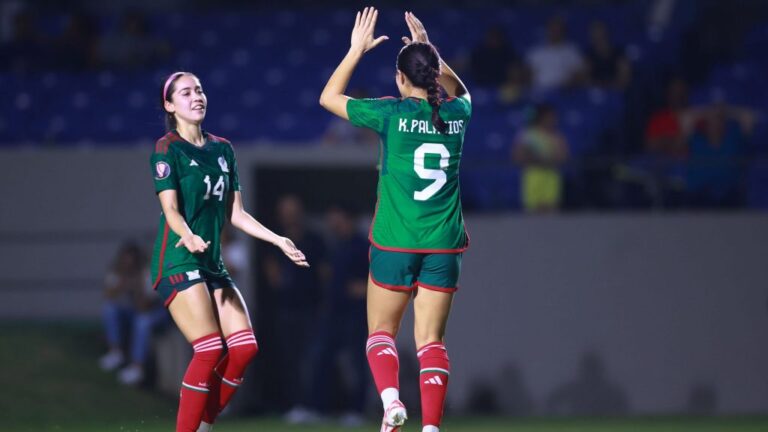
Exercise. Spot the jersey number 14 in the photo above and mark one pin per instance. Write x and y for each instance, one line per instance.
(218, 188)
(438, 175)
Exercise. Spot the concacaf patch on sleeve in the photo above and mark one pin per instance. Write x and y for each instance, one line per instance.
(162, 170)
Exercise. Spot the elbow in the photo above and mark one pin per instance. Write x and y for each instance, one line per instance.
(323, 101)
(235, 219)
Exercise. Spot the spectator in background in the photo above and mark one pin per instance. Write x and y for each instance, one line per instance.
(514, 86)
(342, 133)
(717, 146)
(608, 66)
(132, 46)
(541, 150)
(78, 47)
(491, 59)
(342, 324)
(130, 303)
(557, 63)
(664, 136)
(296, 293)
(26, 49)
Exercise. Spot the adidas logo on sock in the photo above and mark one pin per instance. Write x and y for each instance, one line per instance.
(387, 351)
(434, 380)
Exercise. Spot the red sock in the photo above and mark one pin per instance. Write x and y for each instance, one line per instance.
(242, 348)
(196, 383)
(433, 382)
(383, 360)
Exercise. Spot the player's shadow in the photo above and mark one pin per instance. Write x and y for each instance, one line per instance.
(504, 393)
(590, 393)
(702, 400)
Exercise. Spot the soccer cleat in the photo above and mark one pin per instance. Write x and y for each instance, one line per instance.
(394, 417)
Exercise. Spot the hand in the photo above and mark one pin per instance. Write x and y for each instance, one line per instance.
(362, 33)
(418, 32)
(193, 243)
(289, 249)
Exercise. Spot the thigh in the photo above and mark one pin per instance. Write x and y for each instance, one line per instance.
(385, 308)
(192, 311)
(431, 309)
(231, 310)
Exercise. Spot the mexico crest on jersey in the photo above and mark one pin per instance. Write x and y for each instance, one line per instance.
(162, 170)
(223, 164)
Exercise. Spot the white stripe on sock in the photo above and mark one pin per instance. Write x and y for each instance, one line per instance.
(253, 342)
(429, 347)
(435, 369)
(241, 340)
(206, 344)
(236, 338)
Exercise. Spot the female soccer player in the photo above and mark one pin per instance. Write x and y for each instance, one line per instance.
(196, 180)
(418, 231)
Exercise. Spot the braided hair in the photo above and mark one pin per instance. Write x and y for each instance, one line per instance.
(420, 62)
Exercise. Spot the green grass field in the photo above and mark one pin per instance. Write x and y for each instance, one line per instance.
(452, 425)
(50, 382)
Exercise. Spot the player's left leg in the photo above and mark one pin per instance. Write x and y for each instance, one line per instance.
(432, 305)
(236, 327)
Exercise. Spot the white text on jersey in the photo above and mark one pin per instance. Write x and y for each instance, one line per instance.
(425, 127)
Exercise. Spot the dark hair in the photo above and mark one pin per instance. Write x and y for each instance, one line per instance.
(166, 91)
(420, 62)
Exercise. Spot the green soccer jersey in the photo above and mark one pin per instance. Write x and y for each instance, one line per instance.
(419, 204)
(203, 177)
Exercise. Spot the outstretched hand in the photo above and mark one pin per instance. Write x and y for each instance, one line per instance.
(418, 32)
(289, 249)
(362, 33)
(193, 243)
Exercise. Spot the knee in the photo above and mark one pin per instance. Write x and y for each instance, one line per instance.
(386, 326)
(242, 347)
(208, 349)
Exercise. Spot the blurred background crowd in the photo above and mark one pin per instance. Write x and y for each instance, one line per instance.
(602, 115)
(577, 105)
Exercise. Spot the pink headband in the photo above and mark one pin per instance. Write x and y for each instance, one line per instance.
(168, 83)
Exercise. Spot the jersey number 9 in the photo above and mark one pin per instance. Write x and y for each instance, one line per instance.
(438, 175)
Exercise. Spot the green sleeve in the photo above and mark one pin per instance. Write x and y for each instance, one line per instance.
(234, 177)
(466, 105)
(371, 113)
(164, 171)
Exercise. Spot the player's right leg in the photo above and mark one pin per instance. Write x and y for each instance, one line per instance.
(192, 311)
(390, 285)
(438, 280)
(237, 330)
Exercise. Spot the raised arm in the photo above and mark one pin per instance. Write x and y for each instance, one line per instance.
(333, 98)
(448, 78)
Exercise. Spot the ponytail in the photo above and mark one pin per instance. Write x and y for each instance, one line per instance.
(433, 97)
(420, 62)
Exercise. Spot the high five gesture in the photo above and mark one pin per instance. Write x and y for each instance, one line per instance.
(362, 34)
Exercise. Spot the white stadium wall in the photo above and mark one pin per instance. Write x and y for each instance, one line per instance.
(667, 302)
